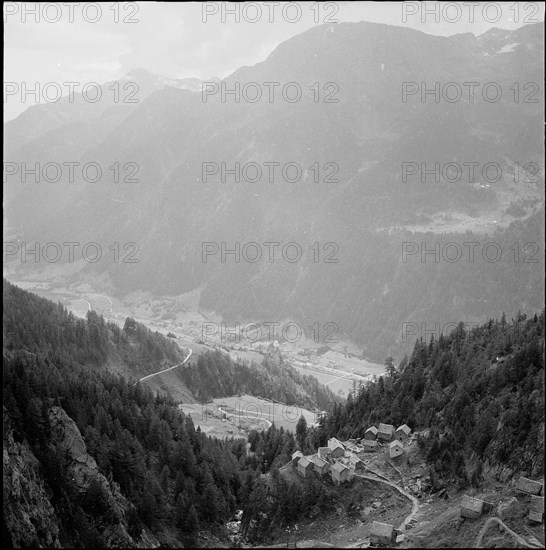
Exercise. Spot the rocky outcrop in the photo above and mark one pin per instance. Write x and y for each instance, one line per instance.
(82, 470)
(29, 516)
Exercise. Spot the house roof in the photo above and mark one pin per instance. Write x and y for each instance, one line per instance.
(404, 428)
(335, 444)
(304, 462)
(317, 461)
(536, 516)
(386, 428)
(297, 454)
(382, 529)
(529, 486)
(395, 443)
(339, 467)
(473, 504)
(369, 443)
(325, 450)
(372, 429)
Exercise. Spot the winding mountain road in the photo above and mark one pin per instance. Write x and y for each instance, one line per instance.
(378, 478)
(255, 415)
(414, 502)
(164, 370)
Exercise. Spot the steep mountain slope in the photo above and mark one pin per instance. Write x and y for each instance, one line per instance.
(478, 394)
(92, 461)
(368, 133)
(133, 351)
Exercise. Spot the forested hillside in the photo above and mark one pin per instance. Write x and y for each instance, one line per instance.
(480, 392)
(45, 328)
(215, 375)
(357, 218)
(40, 326)
(105, 462)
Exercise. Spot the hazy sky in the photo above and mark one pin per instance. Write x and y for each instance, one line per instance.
(180, 40)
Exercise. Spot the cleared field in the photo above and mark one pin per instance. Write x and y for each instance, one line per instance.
(360, 366)
(211, 425)
(340, 383)
(250, 408)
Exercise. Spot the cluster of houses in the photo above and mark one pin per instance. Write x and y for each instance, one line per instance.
(388, 435)
(326, 460)
(473, 508)
(342, 459)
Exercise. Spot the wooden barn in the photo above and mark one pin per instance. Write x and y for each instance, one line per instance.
(381, 534)
(340, 472)
(385, 432)
(305, 466)
(529, 486)
(296, 457)
(471, 508)
(395, 449)
(337, 450)
(320, 466)
(370, 434)
(403, 432)
(536, 512)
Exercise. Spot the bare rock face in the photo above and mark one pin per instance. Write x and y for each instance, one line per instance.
(29, 517)
(82, 470)
(28, 514)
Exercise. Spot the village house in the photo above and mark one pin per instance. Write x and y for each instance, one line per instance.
(337, 450)
(529, 486)
(395, 448)
(385, 432)
(340, 473)
(403, 432)
(305, 466)
(370, 434)
(324, 452)
(295, 458)
(471, 508)
(381, 534)
(321, 466)
(369, 445)
(536, 512)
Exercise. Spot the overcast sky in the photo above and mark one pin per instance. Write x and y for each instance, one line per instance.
(180, 40)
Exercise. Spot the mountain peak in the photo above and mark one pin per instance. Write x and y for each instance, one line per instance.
(140, 74)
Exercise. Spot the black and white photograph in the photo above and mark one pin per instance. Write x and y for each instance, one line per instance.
(273, 274)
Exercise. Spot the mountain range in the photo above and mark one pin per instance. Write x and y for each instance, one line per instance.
(354, 131)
